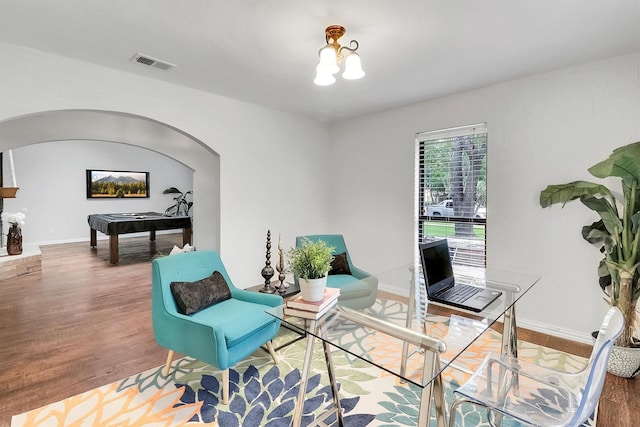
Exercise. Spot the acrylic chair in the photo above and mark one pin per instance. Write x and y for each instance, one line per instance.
(220, 335)
(355, 292)
(535, 395)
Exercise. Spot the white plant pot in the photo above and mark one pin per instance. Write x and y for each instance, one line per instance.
(312, 290)
(624, 361)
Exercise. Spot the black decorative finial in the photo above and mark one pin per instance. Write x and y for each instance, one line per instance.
(267, 271)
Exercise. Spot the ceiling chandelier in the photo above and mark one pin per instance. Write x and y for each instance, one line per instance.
(331, 57)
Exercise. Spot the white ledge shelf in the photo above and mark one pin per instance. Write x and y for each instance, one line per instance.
(29, 261)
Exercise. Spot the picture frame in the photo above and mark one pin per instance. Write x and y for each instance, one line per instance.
(117, 184)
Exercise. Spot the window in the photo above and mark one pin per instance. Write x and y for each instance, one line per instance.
(451, 191)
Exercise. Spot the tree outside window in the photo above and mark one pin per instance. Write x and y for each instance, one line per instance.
(451, 190)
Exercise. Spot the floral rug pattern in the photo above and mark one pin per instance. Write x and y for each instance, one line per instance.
(265, 394)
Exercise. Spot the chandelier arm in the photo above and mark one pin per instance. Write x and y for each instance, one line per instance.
(350, 49)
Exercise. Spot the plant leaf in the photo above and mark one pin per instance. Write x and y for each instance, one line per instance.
(171, 190)
(623, 163)
(563, 193)
(635, 220)
(595, 232)
(607, 212)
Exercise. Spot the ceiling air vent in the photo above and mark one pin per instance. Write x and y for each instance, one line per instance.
(152, 62)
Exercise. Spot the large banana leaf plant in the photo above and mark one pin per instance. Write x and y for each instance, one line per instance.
(617, 235)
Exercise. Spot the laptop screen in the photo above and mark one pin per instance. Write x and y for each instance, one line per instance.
(436, 266)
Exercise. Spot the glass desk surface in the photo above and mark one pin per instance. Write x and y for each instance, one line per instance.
(422, 325)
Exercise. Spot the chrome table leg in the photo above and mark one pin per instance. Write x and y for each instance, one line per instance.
(304, 376)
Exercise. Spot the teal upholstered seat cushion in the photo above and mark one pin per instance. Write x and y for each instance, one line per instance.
(339, 280)
(238, 319)
(350, 286)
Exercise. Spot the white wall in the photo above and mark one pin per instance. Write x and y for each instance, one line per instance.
(266, 175)
(51, 177)
(545, 129)
(278, 170)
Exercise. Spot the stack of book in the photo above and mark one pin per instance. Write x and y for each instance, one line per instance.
(312, 310)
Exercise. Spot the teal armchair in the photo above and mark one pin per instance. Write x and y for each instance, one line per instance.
(359, 289)
(220, 335)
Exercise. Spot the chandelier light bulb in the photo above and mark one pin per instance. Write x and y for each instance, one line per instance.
(324, 78)
(353, 67)
(328, 60)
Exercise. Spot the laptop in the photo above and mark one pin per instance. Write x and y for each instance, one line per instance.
(440, 282)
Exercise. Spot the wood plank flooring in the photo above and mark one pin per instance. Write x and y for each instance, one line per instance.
(82, 323)
(79, 324)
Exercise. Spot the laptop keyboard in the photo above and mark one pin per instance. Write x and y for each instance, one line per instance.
(460, 293)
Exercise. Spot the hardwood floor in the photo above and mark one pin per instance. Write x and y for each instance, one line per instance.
(82, 323)
(79, 324)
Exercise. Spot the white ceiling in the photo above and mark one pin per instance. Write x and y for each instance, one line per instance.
(265, 51)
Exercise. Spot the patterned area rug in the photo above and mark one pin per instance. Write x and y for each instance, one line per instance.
(264, 394)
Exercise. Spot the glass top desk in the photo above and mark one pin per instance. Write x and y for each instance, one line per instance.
(420, 328)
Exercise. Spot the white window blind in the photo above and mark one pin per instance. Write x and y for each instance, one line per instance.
(451, 195)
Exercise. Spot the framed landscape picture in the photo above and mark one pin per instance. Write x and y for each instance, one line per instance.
(112, 184)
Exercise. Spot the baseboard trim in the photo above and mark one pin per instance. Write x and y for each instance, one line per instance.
(544, 328)
(104, 237)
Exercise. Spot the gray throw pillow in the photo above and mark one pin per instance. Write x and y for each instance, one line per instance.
(192, 297)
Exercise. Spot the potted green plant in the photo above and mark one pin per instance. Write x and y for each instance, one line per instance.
(310, 264)
(182, 206)
(617, 236)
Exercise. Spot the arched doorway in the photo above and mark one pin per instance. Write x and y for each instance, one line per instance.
(140, 131)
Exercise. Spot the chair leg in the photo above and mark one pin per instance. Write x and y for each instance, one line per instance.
(225, 386)
(272, 352)
(452, 413)
(457, 402)
(167, 366)
(454, 406)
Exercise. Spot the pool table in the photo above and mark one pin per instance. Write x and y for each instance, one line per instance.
(114, 224)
